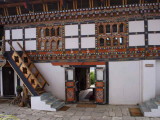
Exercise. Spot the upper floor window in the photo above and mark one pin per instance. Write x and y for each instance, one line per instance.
(59, 44)
(101, 30)
(52, 6)
(121, 40)
(47, 45)
(101, 42)
(116, 2)
(12, 11)
(47, 32)
(83, 4)
(53, 32)
(38, 7)
(54, 45)
(114, 28)
(133, 1)
(108, 29)
(42, 33)
(108, 41)
(121, 27)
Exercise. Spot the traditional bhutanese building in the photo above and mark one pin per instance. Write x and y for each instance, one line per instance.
(51, 44)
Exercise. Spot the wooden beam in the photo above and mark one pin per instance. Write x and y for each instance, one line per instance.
(78, 63)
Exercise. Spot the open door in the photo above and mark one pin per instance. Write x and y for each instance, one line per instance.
(70, 85)
(100, 94)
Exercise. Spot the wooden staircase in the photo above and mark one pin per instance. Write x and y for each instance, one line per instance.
(27, 71)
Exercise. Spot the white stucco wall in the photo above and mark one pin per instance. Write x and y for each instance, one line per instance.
(88, 42)
(71, 43)
(131, 82)
(136, 40)
(30, 45)
(71, 30)
(87, 29)
(17, 34)
(30, 33)
(7, 34)
(157, 77)
(139, 26)
(154, 25)
(124, 82)
(154, 39)
(148, 79)
(55, 75)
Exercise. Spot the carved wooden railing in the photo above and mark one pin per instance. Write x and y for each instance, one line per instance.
(28, 69)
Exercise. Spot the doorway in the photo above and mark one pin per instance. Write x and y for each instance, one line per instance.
(85, 84)
(8, 81)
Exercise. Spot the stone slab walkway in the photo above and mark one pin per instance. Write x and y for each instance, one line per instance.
(101, 112)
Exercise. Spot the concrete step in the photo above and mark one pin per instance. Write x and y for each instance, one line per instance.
(144, 108)
(151, 104)
(45, 96)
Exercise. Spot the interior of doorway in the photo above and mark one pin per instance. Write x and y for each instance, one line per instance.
(85, 84)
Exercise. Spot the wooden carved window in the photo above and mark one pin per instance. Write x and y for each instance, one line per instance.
(121, 27)
(115, 41)
(59, 44)
(108, 41)
(26, 59)
(114, 28)
(54, 45)
(121, 40)
(47, 45)
(53, 32)
(42, 33)
(101, 30)
(108, 29)
(24, 70)
(47, 32)
(101, 41)
(42, 45)
(16, 59)
(58, 31)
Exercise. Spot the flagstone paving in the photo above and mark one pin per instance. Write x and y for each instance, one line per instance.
(101, 112)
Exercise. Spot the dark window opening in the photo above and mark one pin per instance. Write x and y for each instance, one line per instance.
(47, 32)
(108, 42)
(1, 32)
(150, 1)
(12, 11)
(24, 70)
(69, 4)
(60, 44)
(32, 81)
(121, 41)
(42, 32)
(98, 3)
(101, 30)
(1, 12)
(58, 31)
(83, 4)
(53, 45)
(42, 45)
(115, 41)
(108, 30)
(16, 59)
(26, 59)
(24, 10)
(0, 43)
(101, 42)
(38, 7)
(52, 32)
(47, 45)
(116, 2)
(52, 6)
(133, 1)
(121, 28)
(114, 27)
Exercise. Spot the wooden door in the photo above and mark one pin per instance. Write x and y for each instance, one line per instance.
(70, 85)
(100, 94)
(8, 81)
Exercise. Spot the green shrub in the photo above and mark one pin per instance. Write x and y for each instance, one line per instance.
(92, 78)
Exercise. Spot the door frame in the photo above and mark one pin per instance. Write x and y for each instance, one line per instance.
(1, 80)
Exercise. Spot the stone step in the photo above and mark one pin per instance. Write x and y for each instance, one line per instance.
(45, 96)
(57, 104)
(144, 108)
(150, 104)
